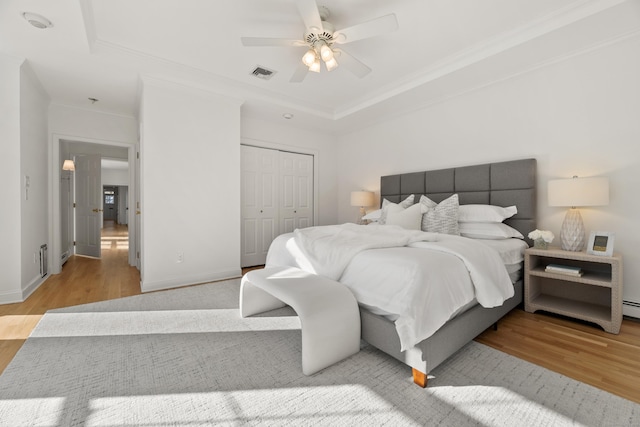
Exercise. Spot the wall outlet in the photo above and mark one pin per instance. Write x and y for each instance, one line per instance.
(180, 257)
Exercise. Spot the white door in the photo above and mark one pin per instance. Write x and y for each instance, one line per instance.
(123, 204)
(296, 191)
(259, 210)
(88, 202)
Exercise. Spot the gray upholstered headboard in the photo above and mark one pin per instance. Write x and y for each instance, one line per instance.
(500, 184)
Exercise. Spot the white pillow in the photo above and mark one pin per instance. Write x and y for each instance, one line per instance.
(409, 218)
(385, 205)
(488, 230)
(440, 217)
(485, 213)
(373, 215)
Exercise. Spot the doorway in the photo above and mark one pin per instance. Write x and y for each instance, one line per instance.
(110, 203)
(121, 173)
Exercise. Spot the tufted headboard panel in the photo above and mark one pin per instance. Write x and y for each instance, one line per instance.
(501, 184)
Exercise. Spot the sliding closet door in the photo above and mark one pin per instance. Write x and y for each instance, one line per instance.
(259, 184)
(296, 191)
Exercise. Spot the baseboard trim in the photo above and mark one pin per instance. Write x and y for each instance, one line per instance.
(31, 287)
(631, 308)
(23, 294)
(188, 281)
(11, 297)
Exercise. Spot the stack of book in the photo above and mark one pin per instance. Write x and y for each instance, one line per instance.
(564, 269)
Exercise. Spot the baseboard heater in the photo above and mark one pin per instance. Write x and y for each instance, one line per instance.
(43, 260)
(631, 308)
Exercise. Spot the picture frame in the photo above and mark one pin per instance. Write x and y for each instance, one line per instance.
(601, 243)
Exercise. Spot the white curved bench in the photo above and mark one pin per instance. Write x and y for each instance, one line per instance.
(328, 311)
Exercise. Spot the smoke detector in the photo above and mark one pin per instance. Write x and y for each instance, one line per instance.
(36, 20)
(262, 72)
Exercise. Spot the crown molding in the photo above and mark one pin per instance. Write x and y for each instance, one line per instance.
(204, 78)
(502, 42)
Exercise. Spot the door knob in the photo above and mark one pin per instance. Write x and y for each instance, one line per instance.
(95, 210)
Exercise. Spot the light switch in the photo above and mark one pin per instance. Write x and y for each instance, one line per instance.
(27, 184)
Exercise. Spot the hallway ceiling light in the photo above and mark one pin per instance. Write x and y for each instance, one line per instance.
(36, 20)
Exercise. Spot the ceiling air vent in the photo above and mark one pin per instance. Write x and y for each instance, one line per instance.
(263, 73)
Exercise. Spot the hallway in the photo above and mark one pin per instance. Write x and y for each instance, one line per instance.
(82, 280)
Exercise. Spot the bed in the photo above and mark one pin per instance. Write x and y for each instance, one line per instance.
(511, 183)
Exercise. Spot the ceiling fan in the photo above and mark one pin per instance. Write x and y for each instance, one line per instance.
(320, 38)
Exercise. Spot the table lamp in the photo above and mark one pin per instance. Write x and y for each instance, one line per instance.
(576, 192)
(361, 199)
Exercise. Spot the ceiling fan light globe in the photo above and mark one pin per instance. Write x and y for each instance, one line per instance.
(309, 58)
(332, 64)
(315, 67)
(326, 53)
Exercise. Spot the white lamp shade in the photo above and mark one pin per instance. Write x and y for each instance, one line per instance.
(577, 192)
(315, 67)
(361, 198)
(326, 53)
(331, 64)
(68, 165)
(309, 58)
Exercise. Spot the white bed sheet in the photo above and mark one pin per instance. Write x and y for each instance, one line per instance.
(391, 282)
(396, 282)
(511, 251)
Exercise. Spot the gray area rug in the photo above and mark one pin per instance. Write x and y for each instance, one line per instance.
(185, 357)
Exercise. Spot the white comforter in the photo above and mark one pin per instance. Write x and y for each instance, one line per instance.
(420, 286)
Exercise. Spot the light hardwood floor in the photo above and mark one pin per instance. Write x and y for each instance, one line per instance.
(577, 350)
(81, 281)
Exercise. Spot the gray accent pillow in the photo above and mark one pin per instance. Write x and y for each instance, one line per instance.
(441, 217)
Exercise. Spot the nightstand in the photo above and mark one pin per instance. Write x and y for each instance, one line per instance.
(595, 297)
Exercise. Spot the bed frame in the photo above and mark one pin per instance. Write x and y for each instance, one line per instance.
(501, 184)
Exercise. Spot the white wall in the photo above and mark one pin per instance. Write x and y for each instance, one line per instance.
(115, 176)
(190, 173)
(576, 117)
(88, 125)
(11, 188)
(23, 220)
(83, 131)
(34, 143)
(285, 136)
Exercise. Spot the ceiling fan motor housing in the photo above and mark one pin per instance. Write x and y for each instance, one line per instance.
(312, 37)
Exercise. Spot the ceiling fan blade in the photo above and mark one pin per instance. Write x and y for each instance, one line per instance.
(377, 26)
(310, 15)
(352, 64)
(266, 41)
(300, 74)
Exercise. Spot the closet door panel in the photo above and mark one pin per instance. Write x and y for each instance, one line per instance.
(259, 210)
